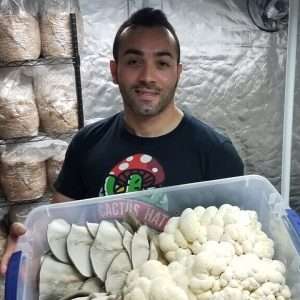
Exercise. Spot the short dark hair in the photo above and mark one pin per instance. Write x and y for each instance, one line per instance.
(148, 17)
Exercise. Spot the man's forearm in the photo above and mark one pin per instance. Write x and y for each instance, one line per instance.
(59, 198)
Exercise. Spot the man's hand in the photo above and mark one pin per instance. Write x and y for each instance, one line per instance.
(16, 230)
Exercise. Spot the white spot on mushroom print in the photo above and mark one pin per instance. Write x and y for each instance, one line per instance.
(130, 158)
(123, 166)
(154, 170)
(146, 158)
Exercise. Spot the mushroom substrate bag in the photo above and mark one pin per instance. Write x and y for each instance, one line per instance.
(55, 25)
(20, 211)
(19, 31)
(55, 162)
(56, 99)
(23, 173)
(18, 111)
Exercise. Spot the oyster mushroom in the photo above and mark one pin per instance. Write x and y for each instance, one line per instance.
(107, 245)
(120, 227)
(77, 295)
(127, 226)
(133, 221)
(117, 273)
(102, 296)
(93, 285)
(127, 242)
(153, 252)
(140, 247)
(92, 228)
(79, 242)
(57, 232)
(57, 279)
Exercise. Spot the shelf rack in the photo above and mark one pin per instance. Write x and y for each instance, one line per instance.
(74, 60)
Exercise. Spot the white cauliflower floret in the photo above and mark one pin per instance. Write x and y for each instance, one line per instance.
(196, 247)
(262, 277)
(218, 220)
(215, 273)
(223, 249)
(154, 282)
(189, 225)
(179, 274)
(153, 269)
(230, 293)
(171, 256)
(167, 242)
(231, 214)
(199, 210)
(213, 258)
(264, 248)
(220, 254)
(171, 225)
(201, 283)
(165, 289)
(135, 294)
(181, 253)
(243, 277)
(208, 215)
(180, 239)
(214, 232)
(228, 223)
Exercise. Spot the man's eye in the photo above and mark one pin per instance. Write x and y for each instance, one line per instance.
(163, 64)
(133, 62)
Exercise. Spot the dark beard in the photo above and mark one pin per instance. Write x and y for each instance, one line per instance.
(149, 112)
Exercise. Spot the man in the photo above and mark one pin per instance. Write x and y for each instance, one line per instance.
(151, 143)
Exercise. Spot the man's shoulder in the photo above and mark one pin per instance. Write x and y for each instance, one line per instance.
(95, 130)
(223, 159)
(205, 133)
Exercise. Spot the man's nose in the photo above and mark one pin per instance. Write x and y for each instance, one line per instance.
(147, 73)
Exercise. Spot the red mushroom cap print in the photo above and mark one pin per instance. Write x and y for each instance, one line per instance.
(136, 172)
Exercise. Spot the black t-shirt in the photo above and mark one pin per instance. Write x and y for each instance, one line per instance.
(105, 158)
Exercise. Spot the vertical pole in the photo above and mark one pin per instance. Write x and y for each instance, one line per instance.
(76, 65)
(289, 100)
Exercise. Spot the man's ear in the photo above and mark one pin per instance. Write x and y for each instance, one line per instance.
(113, 71)
(179, 70)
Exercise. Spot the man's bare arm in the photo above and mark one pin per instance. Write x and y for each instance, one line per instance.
(59, 198)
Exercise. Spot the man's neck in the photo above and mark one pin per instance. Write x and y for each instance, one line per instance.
(153, 126)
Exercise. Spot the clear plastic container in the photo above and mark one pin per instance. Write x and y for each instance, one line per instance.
(248, 192)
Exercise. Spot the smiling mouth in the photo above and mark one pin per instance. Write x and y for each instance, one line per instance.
(146, 92)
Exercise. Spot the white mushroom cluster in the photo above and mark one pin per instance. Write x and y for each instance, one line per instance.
(221, 254)
(154, 281)
(215, 273)
(185, 235)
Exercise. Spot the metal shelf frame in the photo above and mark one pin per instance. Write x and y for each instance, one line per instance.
(73, 60)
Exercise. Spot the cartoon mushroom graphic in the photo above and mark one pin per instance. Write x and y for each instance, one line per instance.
(134, 173)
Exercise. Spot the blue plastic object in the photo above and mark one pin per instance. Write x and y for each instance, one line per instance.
(12, 276)
(294, 219)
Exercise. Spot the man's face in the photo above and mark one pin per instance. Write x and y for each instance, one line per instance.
(147, 71)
